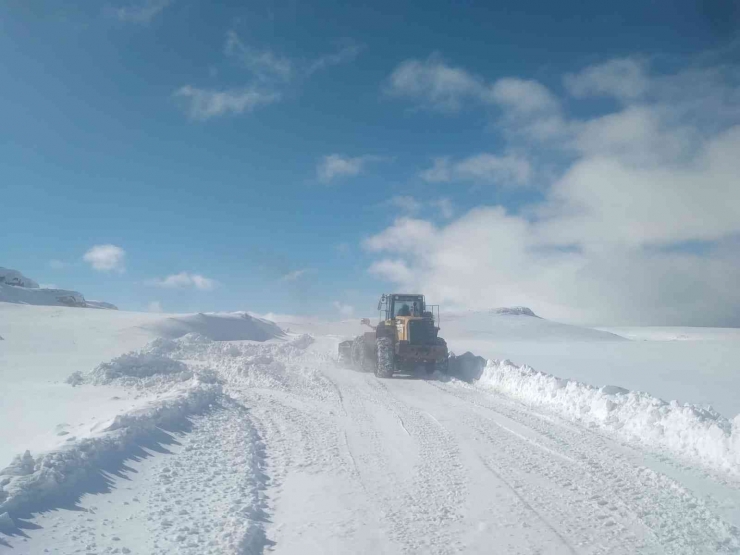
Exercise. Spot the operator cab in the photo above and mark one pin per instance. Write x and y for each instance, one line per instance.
(405, 305)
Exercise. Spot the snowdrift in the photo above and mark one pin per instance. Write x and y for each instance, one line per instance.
(697, 433)
(226, 326)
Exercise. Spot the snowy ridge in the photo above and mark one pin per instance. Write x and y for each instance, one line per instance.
(17, 288)
(690, 431)
(29, 483)
(514, 311)
(14, 277)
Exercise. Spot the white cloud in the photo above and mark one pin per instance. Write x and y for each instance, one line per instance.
(142, 12)
(203, 104)
(154, 306)
(48, 286)
(344, 309)
(639, 222)
(265, 65)
(106, 258)
(296, 274)
(523, 95)
(624, 78)
(509, 169)
(185, 280)
(345, 54)
(335, 166)
(440, 86)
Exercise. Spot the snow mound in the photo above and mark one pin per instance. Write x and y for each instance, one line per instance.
(224, 326)
(697, 433)
(14, 277)
(31, 484)
(514, 311)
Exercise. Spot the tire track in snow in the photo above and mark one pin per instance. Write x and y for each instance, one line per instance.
(674, 519)
(432, 502)
(529, 507)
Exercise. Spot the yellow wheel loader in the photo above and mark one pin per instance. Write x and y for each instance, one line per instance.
(405, 338)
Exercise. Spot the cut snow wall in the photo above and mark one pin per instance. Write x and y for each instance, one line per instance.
(690, 431)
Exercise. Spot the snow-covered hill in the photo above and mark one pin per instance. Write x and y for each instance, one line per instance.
(17, 288)
(515, 324)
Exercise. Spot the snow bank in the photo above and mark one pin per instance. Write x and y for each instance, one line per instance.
(227, 326)
(32, 484)
(690, 431)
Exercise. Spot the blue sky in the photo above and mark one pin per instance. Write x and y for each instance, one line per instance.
(304, 157)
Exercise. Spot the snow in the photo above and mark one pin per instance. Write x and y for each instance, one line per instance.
(514, 311)
(17, 288)
(14, 277)
(161, 437)
(687, 430)
(231, 326)
(516, 324)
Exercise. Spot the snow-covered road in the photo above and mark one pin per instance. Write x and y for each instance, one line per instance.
(419, 466)
(302, 456)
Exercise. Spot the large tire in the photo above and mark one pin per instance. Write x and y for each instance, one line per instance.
(358, 353)
(385, 363)
(443, 365)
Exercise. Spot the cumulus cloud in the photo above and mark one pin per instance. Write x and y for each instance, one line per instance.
(437, 84)
(443, 87)
(106, 258)
(203, 104)
(523, 95)
(142, 12)
(185, 280)
(639, 222)
(624, 78)
(344, 309)
(335, 166)
(154, 306)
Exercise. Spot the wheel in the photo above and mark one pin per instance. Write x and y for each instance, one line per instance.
(430, 367)
(442, 366)
(385, 362)
(358, 352)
